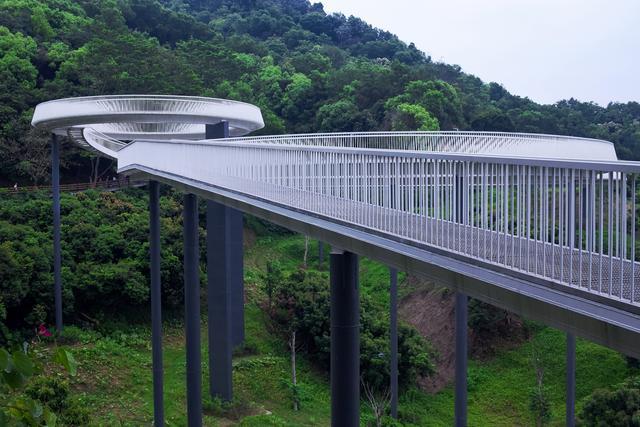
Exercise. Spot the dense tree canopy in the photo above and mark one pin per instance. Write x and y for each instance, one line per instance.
(104, 256)
(300, 302)
(309, 71)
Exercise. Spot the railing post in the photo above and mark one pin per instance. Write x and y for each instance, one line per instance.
(156, 302)
(460, 196)
(192, 310)
(57, 257)
(571, 380)
(219, 258)
(461, 360)
(393, 337)
(345, 340)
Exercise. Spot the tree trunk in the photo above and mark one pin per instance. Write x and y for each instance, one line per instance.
(93, 180)
(306, 251)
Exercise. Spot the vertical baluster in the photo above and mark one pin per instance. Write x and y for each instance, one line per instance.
(601, 234)
(633, 238)
(580, 221)
(610, 228)
(592, 226)
(623, 231)
(572, 224)
(528, 241)
(485, 207)
(553, 224)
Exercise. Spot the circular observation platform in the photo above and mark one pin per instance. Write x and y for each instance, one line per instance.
(107, 123)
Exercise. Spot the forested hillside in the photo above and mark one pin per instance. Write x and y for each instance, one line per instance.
(309, 72)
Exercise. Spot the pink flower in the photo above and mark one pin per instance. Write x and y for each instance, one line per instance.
(43, 331)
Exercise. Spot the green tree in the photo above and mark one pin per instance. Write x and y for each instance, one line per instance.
(337, 116)
(439, 98)
(407, 117)
(616, 407)
(301, 302)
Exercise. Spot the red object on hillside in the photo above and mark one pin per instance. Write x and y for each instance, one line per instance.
(43, 331)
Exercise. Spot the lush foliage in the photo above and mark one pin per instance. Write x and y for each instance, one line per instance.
(104, 251)
(300, 301)
(308, 70)
(31, 398)
(619, 406)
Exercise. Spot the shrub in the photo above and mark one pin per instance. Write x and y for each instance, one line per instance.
(53, 392)
(104, 258)
(301, 302)
(616, 407)
(539, 405)
(32, 399)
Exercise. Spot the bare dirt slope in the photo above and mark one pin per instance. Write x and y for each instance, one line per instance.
(431, 310)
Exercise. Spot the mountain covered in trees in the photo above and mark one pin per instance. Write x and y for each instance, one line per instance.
(309, 71)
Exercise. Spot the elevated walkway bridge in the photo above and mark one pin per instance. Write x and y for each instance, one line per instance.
(558, 231)
(544, 226)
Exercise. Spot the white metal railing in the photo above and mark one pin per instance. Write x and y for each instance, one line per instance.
(495, 143)
(570, 222)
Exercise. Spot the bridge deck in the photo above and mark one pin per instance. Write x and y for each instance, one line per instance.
(608, 276)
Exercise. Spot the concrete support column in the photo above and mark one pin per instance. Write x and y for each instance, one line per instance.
(237, 276)
(156, 302)
(236, 271)
(219, 259)
(345, 340)
(571, 380)
(57, 257)
(192, 311)
(320, 252)
(393, 338)
(461, 360)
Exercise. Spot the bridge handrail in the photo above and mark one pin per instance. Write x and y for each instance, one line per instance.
(600, 165)
(570, 222)
(505, 143)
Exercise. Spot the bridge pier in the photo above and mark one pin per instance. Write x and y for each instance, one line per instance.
(571, 380)
(156, 302)
(320, 252)
(461, 360)
(393, 340)
(192, 311)
(57, 257)
(345, 340)
(225, 286)
(235, 274)
(219, 291)
(237, 277)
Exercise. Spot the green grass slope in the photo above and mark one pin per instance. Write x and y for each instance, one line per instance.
(115, 374)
